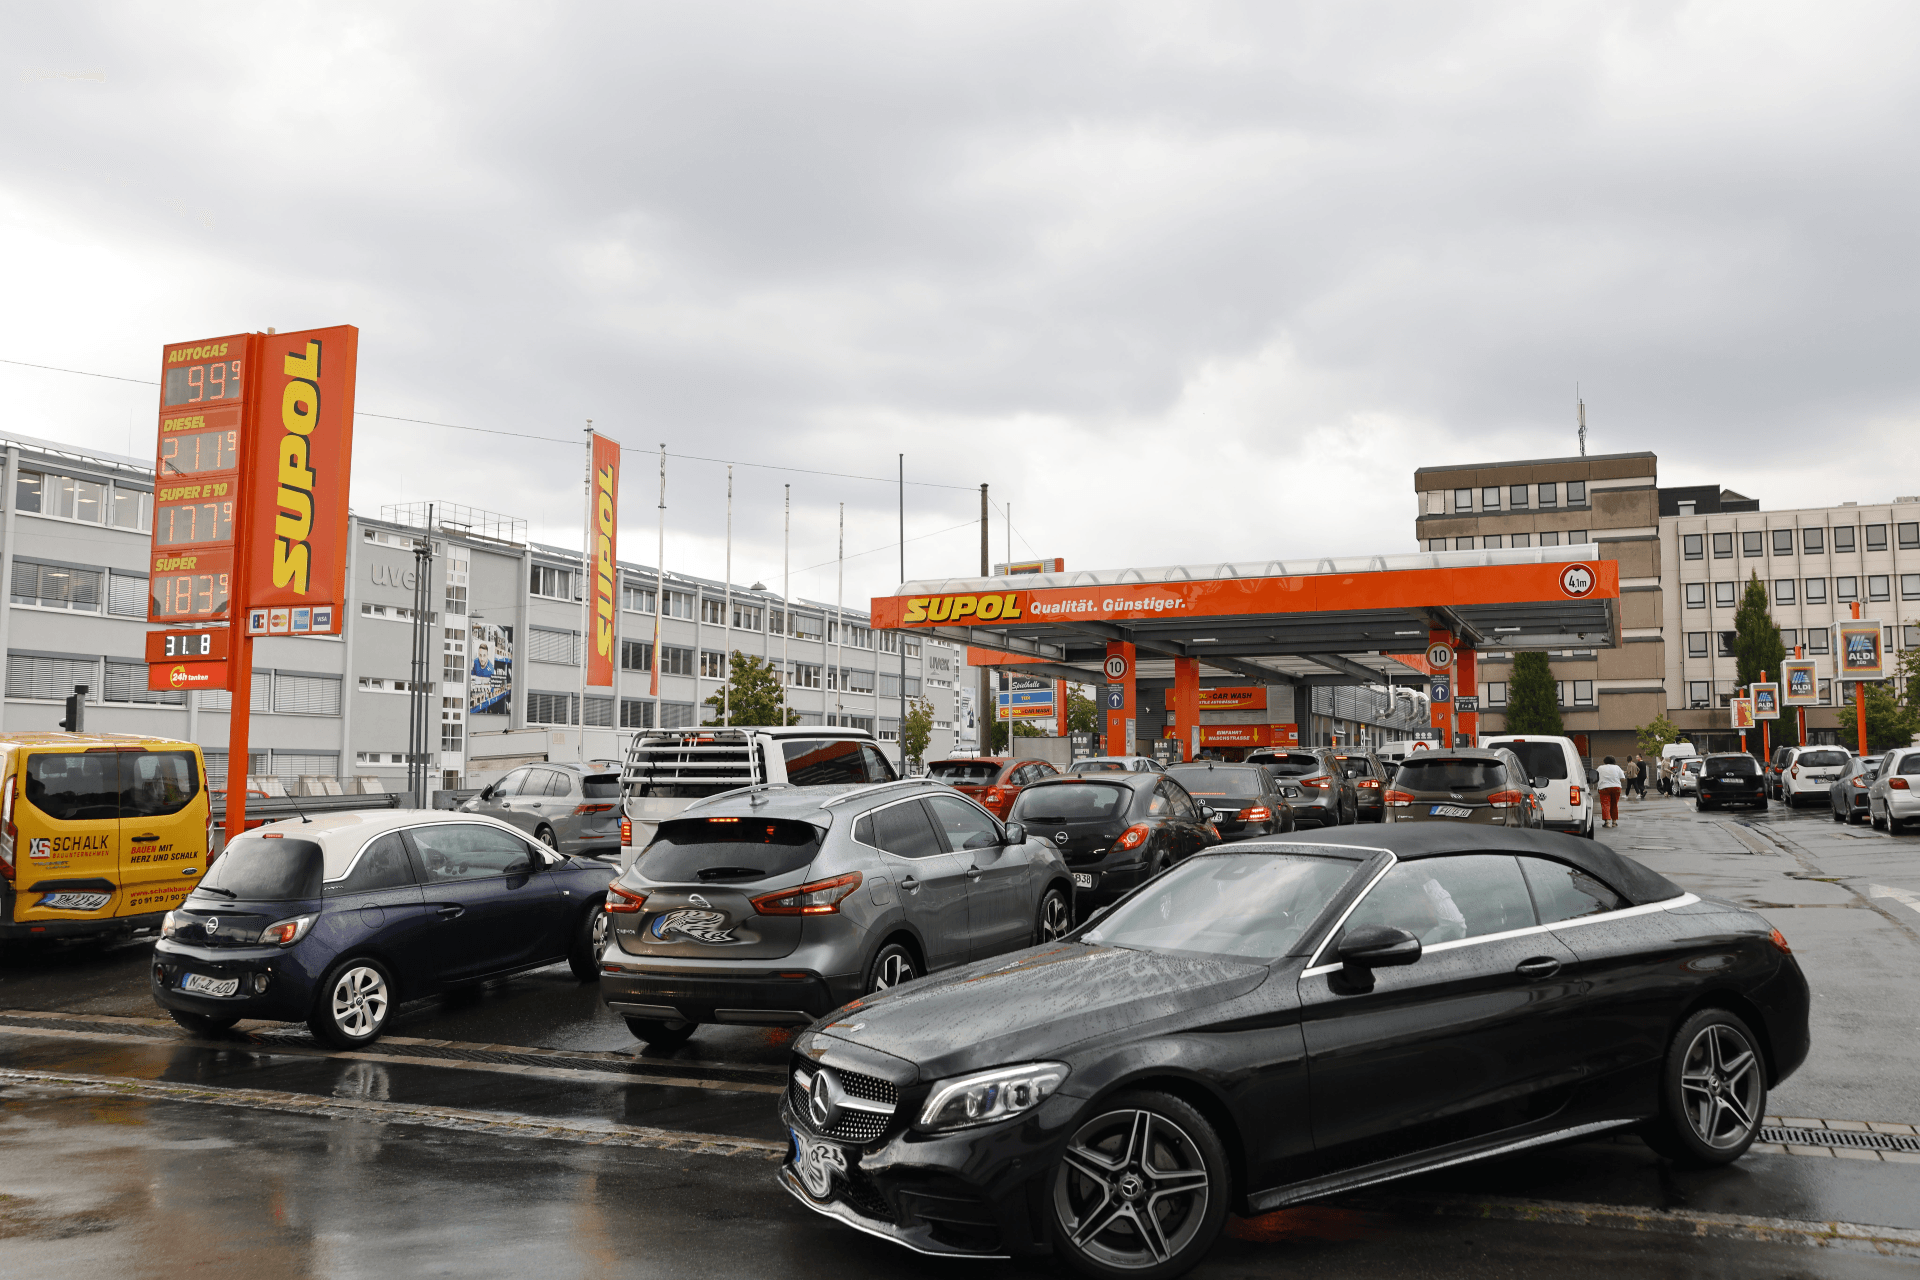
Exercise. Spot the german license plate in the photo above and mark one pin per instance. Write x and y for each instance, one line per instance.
(1450, 811)
(201, 985)
(1084, 879)
(817, 1162)
(75, 901)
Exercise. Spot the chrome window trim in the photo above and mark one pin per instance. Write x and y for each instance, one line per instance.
(1598, 917)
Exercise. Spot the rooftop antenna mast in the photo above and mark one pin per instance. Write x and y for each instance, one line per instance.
(1583, 418)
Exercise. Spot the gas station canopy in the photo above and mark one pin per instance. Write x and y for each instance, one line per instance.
(1298, 622)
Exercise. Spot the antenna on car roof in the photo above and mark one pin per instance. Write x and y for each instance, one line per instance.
(296, 806)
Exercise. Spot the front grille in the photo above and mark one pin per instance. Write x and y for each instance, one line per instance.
(862, 1196)
(852, 1126)
(869, 1088)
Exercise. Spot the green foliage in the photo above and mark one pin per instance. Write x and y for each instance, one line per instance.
(1655, 735)
(916, 731)
(1893, 709)
(755, 694)
(1082, 715)
(1533, 700)
(997, 734)
(1756, 638)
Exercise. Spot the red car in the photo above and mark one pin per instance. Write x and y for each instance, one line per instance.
(994, 781)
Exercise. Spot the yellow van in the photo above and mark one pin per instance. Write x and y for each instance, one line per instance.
(100, 833)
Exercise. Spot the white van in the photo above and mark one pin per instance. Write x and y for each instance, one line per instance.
(1554, 765)
(1672, 757)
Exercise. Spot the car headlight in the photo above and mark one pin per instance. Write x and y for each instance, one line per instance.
(169, 924)
(989, 1096)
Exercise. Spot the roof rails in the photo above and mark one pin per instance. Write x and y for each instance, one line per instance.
(872, 787)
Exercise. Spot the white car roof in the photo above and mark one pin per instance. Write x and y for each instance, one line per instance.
(340, 835)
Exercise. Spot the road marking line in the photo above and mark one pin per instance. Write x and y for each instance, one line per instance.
(599, 1133)
(457, 1064)
(1906, 897)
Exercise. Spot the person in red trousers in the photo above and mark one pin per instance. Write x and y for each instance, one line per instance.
(1611, 781)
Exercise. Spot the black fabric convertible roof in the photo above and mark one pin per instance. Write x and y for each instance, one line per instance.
(1407, 840)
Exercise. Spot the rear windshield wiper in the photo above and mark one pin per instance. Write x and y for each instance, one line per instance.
(730, 873)
(210, 888)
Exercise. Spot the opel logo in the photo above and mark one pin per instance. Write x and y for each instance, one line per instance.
(822, 1106)
(212, 925)
(1060, 838)
(698, 901)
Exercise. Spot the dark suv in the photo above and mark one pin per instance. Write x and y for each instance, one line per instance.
(1368, 774)
(1114, 829)
(1327, 796)
(1731, 777)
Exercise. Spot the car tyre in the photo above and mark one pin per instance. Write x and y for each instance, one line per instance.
(356, 1000)
(1056, 917)
(203, 1024)
(1713, 1092)
(1701, 806)
(1837, 815)
(1140, 1191)
(662, 1033)
(546, 837)
(589, 941)
(895, 965)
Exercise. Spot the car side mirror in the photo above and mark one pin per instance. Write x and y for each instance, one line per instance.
(1016, 833)
(1377, 946)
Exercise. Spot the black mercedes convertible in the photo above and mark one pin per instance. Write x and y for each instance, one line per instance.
(1287, 1019)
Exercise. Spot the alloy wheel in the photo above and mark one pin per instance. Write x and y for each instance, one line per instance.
(1056, 918)
(1721, 1086)
(546, 837)
(894, 970)
(1131, 1190)
(601, 926)
(360, 1001)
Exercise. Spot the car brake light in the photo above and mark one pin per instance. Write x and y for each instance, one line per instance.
(1397, 797)
(1318, 784)
(1134, 836)
(995, 795)
(820, 898)
(1796, 771)
(1505, 799)
(1365, 783)
(1779, 940)
(8, 832)
(626, 831)
(1573, 795)
(287, 932)
(581, 810)
(1258, 813)
(624, 902)
(1898, 784)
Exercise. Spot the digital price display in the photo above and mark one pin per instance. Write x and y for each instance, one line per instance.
(201, 383)
(192, 453)
(196, 489)
(209, 644)
(186, 524)
(178, 597)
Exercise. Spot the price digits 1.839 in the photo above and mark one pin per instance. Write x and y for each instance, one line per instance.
(189, 595)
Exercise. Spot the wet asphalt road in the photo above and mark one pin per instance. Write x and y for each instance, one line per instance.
(519, 1128)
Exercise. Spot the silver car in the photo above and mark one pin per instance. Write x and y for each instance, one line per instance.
(1893, 797)
(776, 905)
(573, 808)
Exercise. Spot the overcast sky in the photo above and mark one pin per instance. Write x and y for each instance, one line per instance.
(1182, 282)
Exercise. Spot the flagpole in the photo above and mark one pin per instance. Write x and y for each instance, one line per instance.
(900, 638)
(586, 595)
(659, 587)
(786, 597)
(840, 627)
(726, 658)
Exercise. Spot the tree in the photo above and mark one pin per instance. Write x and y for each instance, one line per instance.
(1083, 716)
(916, 730)
(1533, 699)
(1893, 708)
(1756, 637)
(1656, 734)
(755, 694)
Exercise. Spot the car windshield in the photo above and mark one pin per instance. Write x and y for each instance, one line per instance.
(1540, 759)
(1692, 766)
(963, 770)
(1071, 802)
(1297, 764)
(1235, 784)
(713, 849)
(1251, 906)
(1098, 766)
(267, 869)
(1441, 774)
(601, 786)
(1822, 760)
(1733, 767)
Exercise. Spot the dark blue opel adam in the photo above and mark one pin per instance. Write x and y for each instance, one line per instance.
(333, 921)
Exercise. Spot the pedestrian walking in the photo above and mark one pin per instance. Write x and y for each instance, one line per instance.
(1612, 780)
(1639, 778)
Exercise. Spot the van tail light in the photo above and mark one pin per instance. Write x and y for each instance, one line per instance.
(1134, 836)
(624, 902)
(1258, 813)
(1573, 795)
(1399, 798)
(1898, 784)
(626, 831)
(1506, 799)
(8, 832)
(820, 898)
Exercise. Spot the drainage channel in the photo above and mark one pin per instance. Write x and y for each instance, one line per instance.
(1843, 1138)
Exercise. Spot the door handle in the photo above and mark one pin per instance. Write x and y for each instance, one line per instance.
(141, 839)
(973, 873)
(910, 885)
(1538, 967)
(450, 912)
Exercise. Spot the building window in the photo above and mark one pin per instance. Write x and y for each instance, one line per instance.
(1491, 542)
(1876, 537)
(1813, 541)
(1490, 498)
(850, 681)
(1909, 636)
(1909, 536)
(599, 711)
(1463, 544)
(637, 600)
(1752, 543)
(298, 695)
(1576, 537)
(1910, 586)
(1845, 589)
(1879, 587)
(550, 708)
(456, 599)
(889, 684)
(675, 661)
(636, 655)
(1789, 637)
(1685, 508)
(1496, 693)
(679, 605)
(56, 586)
(1576, 493)
(127, 682)
(1582, 689)
(851, 722)
(636, 713)
(1696, 644)
(713, 664)
(1696, 595)
(1726, 642)
(852, 635)
(126, 595)
(1723, 595)
(1817, 639)
(1549, 495)
(1816, 590)
(549, 644)
(1436, 544)
(746, 617)
(1783, 542)
(713, 612)
(1699, 694)
(1550, 539)
(805, 676)
(1463, 499)
(1843, 537)
(1723, 546)
(1692, 546)
(1520, 540)
(1783, 590)
(913, 686)
(1826, 694)
(555, 584)
(1517, 497)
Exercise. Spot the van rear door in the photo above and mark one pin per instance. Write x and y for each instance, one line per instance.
(67, 853)
(163, 827)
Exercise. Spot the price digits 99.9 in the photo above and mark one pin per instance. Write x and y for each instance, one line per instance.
(201, 383)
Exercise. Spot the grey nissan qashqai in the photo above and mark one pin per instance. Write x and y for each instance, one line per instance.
(773, 905)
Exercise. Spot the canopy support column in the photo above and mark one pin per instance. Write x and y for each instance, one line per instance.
(1120, 721)
(1442, 712)
(1186, 706)
(1467, 685)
